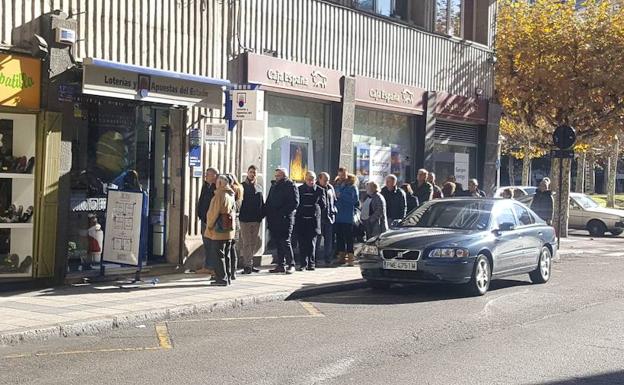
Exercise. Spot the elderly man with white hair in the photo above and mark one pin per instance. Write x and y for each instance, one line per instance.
(308, 220)
(280, 206)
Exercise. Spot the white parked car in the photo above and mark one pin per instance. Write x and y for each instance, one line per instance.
(518, 191)
(587, 214)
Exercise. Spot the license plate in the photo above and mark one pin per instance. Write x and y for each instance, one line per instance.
(400, 265)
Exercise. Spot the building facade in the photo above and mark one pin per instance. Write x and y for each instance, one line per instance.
(376, 86)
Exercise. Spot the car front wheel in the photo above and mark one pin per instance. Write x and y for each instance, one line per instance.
(542, 273)
(481, 276)
(596, 228)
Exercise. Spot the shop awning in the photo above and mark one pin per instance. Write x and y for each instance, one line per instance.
(128, 81)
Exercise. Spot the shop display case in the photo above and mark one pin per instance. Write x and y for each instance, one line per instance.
(17, 193)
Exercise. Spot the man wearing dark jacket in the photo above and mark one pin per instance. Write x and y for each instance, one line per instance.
(423, 190)
(396, 201)
(543, 201)
(250, 218)
(308, 220)
(280, 209)
(328, 218)
(203, 204)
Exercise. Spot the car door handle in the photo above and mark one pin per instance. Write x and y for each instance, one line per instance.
(540, 233)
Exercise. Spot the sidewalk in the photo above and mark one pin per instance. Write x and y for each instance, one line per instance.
(89, 309)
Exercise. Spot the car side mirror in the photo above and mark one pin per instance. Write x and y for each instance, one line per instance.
(506, 226)
(396, 223)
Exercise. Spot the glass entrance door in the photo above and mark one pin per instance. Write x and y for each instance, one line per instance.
(158, 185)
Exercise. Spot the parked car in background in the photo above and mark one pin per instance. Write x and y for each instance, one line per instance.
(518, 191)
(587, 214)
(466, 241)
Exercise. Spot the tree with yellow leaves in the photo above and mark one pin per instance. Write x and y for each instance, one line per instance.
(560, 63)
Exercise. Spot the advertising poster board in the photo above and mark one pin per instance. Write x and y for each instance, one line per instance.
(297, 157)
(462, 167)
(362, 164)
(123, 227)
(380, 163)
(397, 165)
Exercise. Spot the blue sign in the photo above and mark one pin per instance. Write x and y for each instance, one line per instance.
(195, 148)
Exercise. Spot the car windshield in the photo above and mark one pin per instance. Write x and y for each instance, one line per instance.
(460, 215)
(586, 202)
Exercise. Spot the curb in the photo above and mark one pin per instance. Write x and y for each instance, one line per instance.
(99, 325)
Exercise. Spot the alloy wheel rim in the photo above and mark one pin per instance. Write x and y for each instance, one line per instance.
(482, 275)
(545, 264)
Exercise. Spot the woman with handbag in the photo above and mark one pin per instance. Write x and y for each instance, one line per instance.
(346, 201)
(221, 229)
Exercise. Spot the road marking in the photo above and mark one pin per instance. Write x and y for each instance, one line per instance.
(162, 332)
(72, 352)
(311, 309)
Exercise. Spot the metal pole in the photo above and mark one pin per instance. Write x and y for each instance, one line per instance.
(560, 199)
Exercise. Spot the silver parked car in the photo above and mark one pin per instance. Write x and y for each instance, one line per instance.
(587, 214)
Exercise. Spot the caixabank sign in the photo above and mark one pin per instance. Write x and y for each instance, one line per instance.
(20, 81)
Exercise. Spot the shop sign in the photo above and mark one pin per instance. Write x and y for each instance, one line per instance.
(104, 81)
(195, 148)
(20, 81)
(461, 107)
(247, 104)
(380, 94)
(290, 76)
(215, 132)
(462, 167)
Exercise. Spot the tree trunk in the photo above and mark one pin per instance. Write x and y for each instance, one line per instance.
(581, 164)
(511, 167)
(612, 162)
(526, 169)
(590, 174)
(560, 218)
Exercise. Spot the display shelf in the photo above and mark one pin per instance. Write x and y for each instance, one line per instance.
(16, 225)
(10, 175)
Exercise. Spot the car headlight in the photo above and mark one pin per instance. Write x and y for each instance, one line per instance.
(370, 250)
(449, 253)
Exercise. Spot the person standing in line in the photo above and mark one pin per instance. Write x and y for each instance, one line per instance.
(238, 197)
(473, 190)
(207, 193)
(412, 201)
(221, 229)
(347, 201)
(396, 202)
(543, 201)
(437, 191)
(422, 189)
(459, 188)
(508, 193)
(280, 206)
(308, 220)
(250, 217)
(328, 218)
(374, 214)
(448, 190)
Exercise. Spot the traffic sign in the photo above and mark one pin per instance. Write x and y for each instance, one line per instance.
(564, 137)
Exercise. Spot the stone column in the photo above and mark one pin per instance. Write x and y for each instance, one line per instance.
(430, 123)
(347, 124)
(580, 172)
(492, 156)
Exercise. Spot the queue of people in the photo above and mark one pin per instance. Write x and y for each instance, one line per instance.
(321, 215)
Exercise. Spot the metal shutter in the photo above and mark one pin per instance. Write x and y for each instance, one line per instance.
(446, 131)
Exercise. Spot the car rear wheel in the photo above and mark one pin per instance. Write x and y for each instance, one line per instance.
(617, 232)
(596, 228)
(542, 273)
(481, 276)
(378, 285)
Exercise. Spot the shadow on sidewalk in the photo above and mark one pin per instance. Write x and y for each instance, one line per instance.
(603, 379)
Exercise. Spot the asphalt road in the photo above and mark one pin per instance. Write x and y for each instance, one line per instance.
(569, 331)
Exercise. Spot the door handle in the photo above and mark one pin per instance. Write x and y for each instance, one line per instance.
(540, 233)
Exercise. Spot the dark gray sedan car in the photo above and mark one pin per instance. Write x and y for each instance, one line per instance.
(466, 241)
